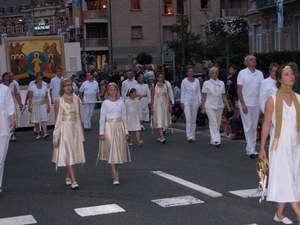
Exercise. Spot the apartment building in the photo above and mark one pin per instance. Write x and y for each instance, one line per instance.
(265, 36)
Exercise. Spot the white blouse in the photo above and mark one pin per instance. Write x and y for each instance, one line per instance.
(190, 92)
(112, 110)
(7, 108)
(214, 91)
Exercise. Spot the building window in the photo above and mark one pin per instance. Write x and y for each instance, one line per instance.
(205, 4)
(277, 37)
(181, 10)
(299, 33)
(258, 38)
(13, 28)
(135, 4)
(4, 29)
(168, 7)
(136, 32)
(168, 34)
(22, 28)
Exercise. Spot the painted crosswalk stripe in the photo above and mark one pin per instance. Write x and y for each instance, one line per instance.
(248, 193)
(18, 220)
(177, 201)
(99, 210)
(188, 184)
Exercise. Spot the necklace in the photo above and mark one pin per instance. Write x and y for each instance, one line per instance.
(68, 96)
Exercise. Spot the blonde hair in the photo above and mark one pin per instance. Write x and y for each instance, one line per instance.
(63, 83)
(106, 96)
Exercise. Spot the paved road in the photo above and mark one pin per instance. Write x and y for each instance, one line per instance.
(33, 188)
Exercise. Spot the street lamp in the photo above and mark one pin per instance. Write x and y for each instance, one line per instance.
(182, 42)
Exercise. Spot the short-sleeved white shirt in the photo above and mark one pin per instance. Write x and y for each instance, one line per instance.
(250, 83)
(126, 85)
(55, 86)
(33, 83)
(17, 86)
(38, 94)
(90, 90)
(214, 91)
(267, 88)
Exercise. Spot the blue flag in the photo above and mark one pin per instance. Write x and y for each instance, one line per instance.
(280, 18)
(77, 3)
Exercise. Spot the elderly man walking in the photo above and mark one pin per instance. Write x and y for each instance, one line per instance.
(248, 85)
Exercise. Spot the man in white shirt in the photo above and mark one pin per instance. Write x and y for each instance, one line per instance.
(55, 85)
(89, 93)
(127, 84)
(18, 96)
(248, 85)
(268, 86)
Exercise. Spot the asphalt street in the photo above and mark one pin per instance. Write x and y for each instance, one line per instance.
(32, 187)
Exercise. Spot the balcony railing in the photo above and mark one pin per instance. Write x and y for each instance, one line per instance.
(94, 14)
(234, 12)
(262, 3)
(94, 42)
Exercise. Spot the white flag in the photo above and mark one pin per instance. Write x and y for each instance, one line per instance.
(280, 18)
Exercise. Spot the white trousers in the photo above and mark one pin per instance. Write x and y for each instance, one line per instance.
(250, 121)
(190, 112)
(3, 151)
(214, 118)
(88, 112)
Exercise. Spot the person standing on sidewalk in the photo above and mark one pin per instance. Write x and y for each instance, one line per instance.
(248, 85)
(55, 85)
(190, 102)
(89, 93)
(7, 118)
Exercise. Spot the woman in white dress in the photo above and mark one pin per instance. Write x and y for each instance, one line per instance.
(16, 98)
(68, 132)
(283, 109)
(7, 118)
(190, 102)
(39, 105)
(133, 113)
(143, 95)
(113, 131)
(160, 107)
(213, 101)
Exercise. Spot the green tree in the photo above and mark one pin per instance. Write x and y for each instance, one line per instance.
(144, 58)
(192, 43)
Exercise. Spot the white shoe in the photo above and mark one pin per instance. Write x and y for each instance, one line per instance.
(68, 181)
(130, 144)
(143, 128)
(285, 220)
(46, 135)
(255, 153)
(140, 143)
(116, 182)
(38, 137)
(74, 186)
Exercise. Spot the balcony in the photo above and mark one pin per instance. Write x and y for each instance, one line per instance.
(270, 3)
(234, 12)
(94, 14)
(94, 42)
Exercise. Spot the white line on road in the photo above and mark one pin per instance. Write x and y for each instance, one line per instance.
(188, 184)
(99, 210)
(18, 220)
(248, 193)
(177, 201)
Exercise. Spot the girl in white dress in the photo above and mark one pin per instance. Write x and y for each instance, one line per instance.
(133, 113)
(160, 107)
(39, 105)
(113, 131)
(68, 132)
(282, 109)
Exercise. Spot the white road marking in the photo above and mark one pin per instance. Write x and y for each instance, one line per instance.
(177, 201)
(99, 210)
(188, 184)
(248, 193)
(18, 220)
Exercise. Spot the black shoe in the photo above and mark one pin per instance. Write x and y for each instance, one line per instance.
(251, 156)
(236, 137)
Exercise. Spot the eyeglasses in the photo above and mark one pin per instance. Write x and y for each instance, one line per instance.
(252, 59)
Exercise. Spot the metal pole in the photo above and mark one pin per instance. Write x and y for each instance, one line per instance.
(182, 43)
(227, 40)
(82, 31)
(111, 42)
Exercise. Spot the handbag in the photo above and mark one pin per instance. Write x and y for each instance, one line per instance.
(262, 168)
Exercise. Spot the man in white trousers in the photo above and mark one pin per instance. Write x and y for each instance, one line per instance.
(248, 86)
(89, 92)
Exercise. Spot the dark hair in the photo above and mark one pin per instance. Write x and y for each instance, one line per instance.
(189, 67)
(234, 66)
(279, 74)
(59, 68)
(130, 91)
(4, 74)
(38, 74)
(219, 62)
(174, 83)
(273, 64)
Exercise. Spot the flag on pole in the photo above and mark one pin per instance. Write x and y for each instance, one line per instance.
(280, 18)
(77, 3)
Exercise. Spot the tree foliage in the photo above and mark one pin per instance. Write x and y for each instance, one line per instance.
(144, 58)
(192, 43)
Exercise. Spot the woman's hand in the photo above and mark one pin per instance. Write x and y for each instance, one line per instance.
(48, 108)
(229, 109)
(182, 106)
(101, 137)
(30, 109)
(127, 136)
(262, 153)
(203, 111)
(152, 112)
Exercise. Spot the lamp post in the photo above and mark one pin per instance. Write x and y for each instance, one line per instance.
(182, 43)
(227, 40)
